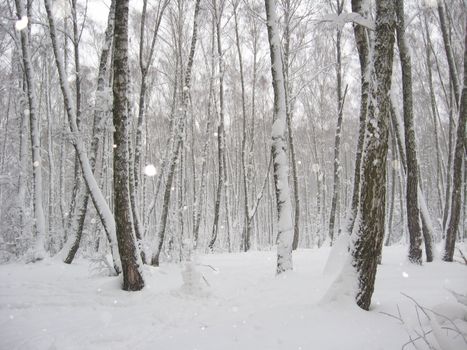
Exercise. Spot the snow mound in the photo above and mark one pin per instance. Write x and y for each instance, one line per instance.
(450, 311)
(338, 256)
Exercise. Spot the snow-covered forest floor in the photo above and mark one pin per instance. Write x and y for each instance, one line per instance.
(51, 305)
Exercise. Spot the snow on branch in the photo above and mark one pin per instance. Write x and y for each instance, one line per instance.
(348, 17)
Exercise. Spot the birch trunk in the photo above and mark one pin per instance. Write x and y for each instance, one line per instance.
(279, 145)
(38, 251)
(97, 197)
(72, 245)
(127, 247)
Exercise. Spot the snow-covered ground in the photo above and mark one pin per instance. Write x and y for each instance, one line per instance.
(50, 305)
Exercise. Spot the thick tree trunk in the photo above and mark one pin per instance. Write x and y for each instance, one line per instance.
(370, 232)
(459, 160)
(413, 210)
(129, 253)
(279, 145)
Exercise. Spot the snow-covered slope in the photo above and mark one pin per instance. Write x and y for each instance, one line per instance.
(50, 305)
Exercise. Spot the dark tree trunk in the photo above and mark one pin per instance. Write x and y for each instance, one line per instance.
(413, 210)
(362, 41)
(129, 254)
(370, 232)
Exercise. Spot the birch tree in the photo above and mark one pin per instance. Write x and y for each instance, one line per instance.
(279, 145)
(38, 252)
(129, 253)
(97, 197)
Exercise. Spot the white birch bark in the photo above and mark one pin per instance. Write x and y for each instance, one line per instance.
(97, 197)
(279, 145)
(38, 251)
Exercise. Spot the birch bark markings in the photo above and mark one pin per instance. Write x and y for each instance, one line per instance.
(279, 145)
(127, 247)
(38, 252)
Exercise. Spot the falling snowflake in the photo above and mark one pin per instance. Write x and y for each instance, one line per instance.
(150, 170)
(405, 274)
(21, 24)
(36, 164)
